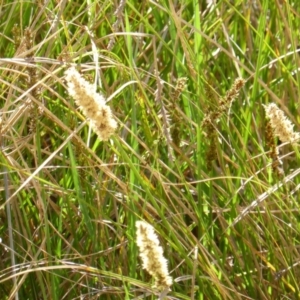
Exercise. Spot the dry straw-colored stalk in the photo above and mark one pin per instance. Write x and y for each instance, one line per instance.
(282, 126)
(118, 13)
(151, 254)
(91, 103)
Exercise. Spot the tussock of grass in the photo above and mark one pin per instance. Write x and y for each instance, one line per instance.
(208, 174)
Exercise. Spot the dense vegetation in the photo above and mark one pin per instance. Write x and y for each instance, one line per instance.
(193, 154)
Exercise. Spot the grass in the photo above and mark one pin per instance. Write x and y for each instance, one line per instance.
(228, 223)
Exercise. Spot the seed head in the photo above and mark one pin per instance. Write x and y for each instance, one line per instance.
(91, 103)
(282, 126)
(151, 254)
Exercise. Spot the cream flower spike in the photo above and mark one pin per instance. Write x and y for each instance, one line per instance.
(282, 126)
(91, 103)
(151, 254)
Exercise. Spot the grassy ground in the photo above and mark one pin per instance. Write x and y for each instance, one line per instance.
(227, 220)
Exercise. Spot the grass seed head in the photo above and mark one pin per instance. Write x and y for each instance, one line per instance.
(282, 126)
(151, 254)
(91, 103)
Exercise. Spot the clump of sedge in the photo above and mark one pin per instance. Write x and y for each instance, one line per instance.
(211, 118)
(273, 152)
